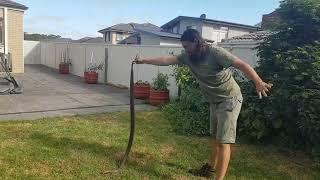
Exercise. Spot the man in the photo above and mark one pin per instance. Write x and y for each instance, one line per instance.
(210, 66)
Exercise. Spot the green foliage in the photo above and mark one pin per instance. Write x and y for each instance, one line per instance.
(39, 37)
(161, 82)
(184, 77)
(290, 59)
(189, 114)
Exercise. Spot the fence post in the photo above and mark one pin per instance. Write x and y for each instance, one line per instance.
(85, 58)
(106, 62)
(55, 54)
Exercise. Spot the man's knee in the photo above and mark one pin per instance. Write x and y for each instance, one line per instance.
(222, 145)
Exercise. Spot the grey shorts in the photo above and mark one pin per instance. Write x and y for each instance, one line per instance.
(223, 119)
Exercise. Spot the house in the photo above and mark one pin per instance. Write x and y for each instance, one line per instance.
(11, 33)
(148, 34)
(134, 33)
(245, 46)
(60, 40)
(211, 30)
(90, 40)
(116, 33)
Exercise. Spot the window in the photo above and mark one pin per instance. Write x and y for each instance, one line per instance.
(191, 27)
(1, 27)
(170, 30)
(224, 28)
(119, 36)
(1, 30)
(109, 36)
(139, 39)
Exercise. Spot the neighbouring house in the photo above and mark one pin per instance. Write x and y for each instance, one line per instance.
(245, 46)
(90, 40)
(11, 33)
(116, 33)
(144, 34)
(60, 40)
(211, 30)
(148, 34)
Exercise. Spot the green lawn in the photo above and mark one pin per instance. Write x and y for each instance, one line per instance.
(84, 147)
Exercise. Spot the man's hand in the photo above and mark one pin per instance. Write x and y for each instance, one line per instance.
(159, 61)
(262, 88)
(138, 60)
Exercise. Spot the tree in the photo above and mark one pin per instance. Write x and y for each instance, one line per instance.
(40, 37)
(290, 59)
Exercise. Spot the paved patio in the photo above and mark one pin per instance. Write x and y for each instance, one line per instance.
(47, 93)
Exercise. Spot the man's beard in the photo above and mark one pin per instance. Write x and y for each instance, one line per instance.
(198, 56)
(194, 57)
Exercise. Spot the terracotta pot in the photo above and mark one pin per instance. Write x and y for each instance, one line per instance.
(63, 68)
(157, 98)
(91, 77)
(141, 91)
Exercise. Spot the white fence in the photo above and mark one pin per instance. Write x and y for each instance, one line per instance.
(32, 52)
(117, 60)
(244, 50)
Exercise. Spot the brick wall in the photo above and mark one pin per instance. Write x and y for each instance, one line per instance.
(15, 39)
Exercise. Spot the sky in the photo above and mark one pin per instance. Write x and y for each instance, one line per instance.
(80, 18)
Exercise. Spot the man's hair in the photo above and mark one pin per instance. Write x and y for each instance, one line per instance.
(192, 35)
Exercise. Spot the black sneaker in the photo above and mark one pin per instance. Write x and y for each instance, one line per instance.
(205, 171)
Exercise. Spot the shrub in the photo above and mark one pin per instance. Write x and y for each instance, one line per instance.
(160, 82)
(290, 59)
(189, 113)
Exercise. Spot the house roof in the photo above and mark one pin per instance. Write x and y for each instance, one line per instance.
(160, 33)
(94, 40)
(252, 37)
(211, 21)
(60, 40)
(81, 40)
(12, 4)
(130, 27)
(135, 29)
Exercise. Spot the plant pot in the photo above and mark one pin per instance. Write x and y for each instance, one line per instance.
(91, 77)
(63, 68)
(157, 98)
(141, 91)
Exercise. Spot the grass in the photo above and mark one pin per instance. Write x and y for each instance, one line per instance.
(86, 147)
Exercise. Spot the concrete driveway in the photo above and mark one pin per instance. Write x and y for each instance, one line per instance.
(47, 93)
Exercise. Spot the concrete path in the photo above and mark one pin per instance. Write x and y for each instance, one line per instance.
(47, 93)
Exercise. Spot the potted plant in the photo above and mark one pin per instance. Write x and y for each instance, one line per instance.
(159, 92)
(141, 90)
(91, 74)
(65, 62)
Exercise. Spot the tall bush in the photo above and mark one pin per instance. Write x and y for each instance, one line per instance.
(290, 59)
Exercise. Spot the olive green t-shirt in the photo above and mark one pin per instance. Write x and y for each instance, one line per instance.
(213, 73)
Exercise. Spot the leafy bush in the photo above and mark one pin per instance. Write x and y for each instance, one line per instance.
(184, 78)
(290, 59)
(94, 67)
(189, 114)
(160, 82)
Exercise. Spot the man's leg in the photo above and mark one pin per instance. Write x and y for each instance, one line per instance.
(214, 155)
(227, 115)
(223, 158)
